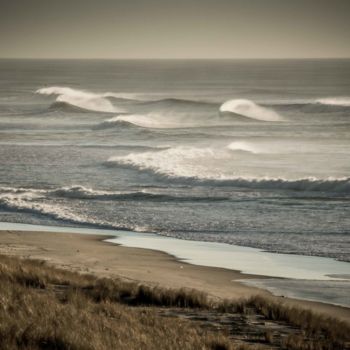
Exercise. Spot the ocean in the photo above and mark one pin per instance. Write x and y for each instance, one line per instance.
(247, 152)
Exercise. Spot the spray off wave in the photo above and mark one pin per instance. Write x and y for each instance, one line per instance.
(152, 121)
(250, 109)
(82, 99)
(244, 147)
(163, 121)
(335, 101)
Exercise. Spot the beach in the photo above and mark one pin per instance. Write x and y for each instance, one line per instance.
(91, 254)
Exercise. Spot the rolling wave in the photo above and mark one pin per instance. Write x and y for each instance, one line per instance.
(150, 113)
(82, 99)
(201, 166)
(250, 109)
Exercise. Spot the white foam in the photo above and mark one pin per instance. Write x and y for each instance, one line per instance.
(250, 109)
(335, 101)
(177, 161)
(215, 166)
(81, 98)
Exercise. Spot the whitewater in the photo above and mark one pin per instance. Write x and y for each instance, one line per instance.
(247, 153)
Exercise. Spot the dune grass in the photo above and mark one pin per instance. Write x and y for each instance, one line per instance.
(47, 308)
(43, 307)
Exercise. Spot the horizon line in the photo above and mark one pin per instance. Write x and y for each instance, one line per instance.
(173, 58)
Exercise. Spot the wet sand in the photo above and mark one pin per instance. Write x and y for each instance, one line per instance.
(90, 254)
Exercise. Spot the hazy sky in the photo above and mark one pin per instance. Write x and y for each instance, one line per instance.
(174, 28)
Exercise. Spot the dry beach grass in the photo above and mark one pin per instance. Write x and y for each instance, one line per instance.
(43, 307)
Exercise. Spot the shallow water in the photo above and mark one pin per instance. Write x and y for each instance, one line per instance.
(303, 277)
(254, 153)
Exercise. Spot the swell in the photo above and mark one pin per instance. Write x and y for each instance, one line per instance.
(309, 107)
(178, 102)
(75, 100)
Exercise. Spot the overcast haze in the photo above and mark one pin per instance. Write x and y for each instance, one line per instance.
(174, 29)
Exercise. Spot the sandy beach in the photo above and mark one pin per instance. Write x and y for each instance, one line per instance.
(90, 254)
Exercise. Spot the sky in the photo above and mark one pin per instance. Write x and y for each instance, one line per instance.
(174, 29)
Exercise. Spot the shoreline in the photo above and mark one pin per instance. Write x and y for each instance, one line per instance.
(88, 253)
(245, 259)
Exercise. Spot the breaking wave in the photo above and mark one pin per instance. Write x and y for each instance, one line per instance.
(200, 166)
(32, 202)
(82, 99)
(250, 109)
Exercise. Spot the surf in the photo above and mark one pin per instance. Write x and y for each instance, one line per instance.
(201, 166)
(20, 195)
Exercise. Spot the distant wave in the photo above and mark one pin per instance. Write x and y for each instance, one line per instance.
(198, 166)
(250, 109)
(335, 101)
(81, 99)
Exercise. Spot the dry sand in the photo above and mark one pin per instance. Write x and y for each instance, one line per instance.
(89, 254)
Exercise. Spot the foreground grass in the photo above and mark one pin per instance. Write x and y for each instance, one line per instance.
(42, 307)
(47, 308)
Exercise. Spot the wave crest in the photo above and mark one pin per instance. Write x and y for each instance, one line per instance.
(250, 109)
(81, 99)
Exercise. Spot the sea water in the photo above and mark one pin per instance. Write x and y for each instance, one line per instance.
(246, 152)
